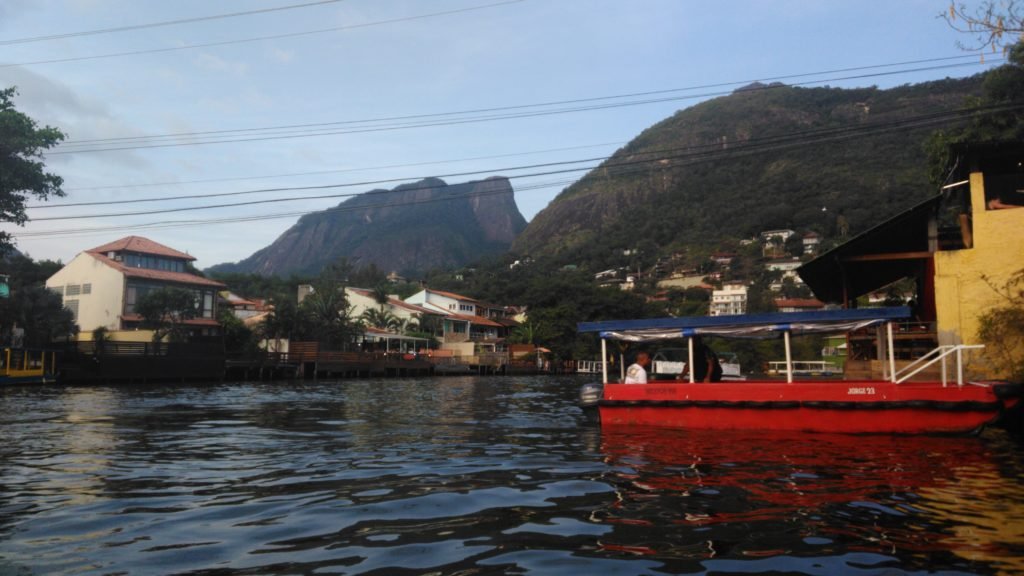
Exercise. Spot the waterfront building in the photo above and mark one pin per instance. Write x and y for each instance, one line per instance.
(101, 286)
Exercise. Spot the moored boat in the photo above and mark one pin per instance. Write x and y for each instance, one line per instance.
(894, 404)
(27, 366)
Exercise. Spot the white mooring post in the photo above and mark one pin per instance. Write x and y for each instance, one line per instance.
(690, 360)
(789, 358)
(892, 352)
(604, 361)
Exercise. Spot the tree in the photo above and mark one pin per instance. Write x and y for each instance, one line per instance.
(381, 319)
(165, 310)
(1002, 328)
(991, 23)
(283, 321)
(328, 309)
(381, 296)
(530, 332)
(21, 169)
(30, 304)
(238, 338)
(1002, 88)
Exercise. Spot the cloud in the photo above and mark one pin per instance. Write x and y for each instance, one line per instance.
(52, 103)
(282, 56)
(213, 63)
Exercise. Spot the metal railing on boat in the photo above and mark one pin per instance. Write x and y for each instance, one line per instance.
(938, 354)
(589, 366)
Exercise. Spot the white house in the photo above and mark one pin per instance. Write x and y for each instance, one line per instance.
(811, 242)
(730, 300)
(361, 300)
(465, 319)
(102, 285)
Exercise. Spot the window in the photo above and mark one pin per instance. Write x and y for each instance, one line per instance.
(86, 288)
(73, 290)
(466, 307)
(72, 305)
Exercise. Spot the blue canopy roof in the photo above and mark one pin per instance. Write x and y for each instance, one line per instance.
(745, 325)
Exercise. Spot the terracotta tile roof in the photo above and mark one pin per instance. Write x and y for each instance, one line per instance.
(142, 246)
(397, 302)
(415, 308)
(799, 303)
(478, 320)
(452, 295)
(161, 275)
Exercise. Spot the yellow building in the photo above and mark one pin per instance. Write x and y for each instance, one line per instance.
(957, 247)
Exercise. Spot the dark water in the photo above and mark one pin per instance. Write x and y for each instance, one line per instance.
(474, 476)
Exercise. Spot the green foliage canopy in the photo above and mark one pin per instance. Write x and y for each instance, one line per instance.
(22, 174)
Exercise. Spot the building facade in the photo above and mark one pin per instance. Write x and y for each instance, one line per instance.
(729, 300)
(102, 285)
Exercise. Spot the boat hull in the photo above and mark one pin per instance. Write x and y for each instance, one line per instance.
(818, 406)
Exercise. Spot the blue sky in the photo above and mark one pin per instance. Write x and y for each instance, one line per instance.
(389, 59)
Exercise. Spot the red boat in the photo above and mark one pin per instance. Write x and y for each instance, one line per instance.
(894, 405)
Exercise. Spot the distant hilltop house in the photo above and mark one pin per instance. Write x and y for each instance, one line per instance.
(731, 299)
(956, 247)
(811, 242)
(774, 242)
(787, 267)
(101, 286)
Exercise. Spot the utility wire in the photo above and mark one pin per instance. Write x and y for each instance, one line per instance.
(262, 38)
(316, 173)
(527, 106)
(816, 132)
(161, 24)
(704, 151)
(236, 219)
(63, 150)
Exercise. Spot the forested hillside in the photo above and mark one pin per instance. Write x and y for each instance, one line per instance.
(828, 160)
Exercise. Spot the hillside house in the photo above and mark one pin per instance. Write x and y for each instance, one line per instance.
(101, 286)
(811, 242)
(729, 300)
(787, 268)
(773, 242)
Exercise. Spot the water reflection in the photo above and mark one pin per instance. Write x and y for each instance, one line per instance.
(472, 475)
(908, 500)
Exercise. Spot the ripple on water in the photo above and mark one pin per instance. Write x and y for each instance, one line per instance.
(474, 475)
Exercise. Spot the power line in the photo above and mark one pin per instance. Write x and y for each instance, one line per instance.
(63, 149)
(711, 150)
(262, 38)
(314, 173)
(532, 105)
(238, 219)
(161, 24)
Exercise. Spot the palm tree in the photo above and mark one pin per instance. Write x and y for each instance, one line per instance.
(381, 296)
(381, 319)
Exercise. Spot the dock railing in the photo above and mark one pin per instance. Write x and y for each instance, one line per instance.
(940, 354)
(589, 366)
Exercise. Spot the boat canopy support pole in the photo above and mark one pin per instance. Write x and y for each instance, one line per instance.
(622, 367)
(892, 352)
(689, 343)
(789, 358)
(604, 361)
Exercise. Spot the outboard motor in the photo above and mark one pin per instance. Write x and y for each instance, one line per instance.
(590, 394)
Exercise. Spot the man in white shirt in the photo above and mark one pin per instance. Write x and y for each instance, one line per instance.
(637, 372)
